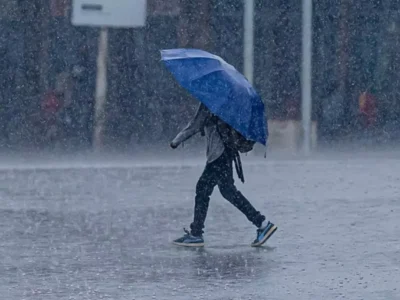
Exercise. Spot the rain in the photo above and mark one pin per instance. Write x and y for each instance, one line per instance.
(92, 195)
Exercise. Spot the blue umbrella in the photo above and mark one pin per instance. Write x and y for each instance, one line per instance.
(221, 88)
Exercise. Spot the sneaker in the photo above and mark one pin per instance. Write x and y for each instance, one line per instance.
(188, 240)
(263, 234)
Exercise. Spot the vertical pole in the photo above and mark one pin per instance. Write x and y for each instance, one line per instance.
(248, 43)
(101, 89)
(343, 50)
(306, 82)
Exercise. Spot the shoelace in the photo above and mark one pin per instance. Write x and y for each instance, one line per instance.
(186, 231)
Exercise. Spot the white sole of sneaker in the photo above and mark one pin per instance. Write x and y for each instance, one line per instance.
(189, 245)
(266, 237)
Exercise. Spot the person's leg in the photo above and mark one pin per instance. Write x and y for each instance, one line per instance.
(229, 191)
(204, 189)
(226, 185)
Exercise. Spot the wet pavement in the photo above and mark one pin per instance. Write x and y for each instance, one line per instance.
(105, 232)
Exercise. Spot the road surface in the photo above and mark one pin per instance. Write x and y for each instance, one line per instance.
(104, 232)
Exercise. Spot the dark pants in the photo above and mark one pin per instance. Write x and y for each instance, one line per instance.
(220, 172)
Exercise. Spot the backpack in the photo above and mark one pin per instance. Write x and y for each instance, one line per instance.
(233, 139)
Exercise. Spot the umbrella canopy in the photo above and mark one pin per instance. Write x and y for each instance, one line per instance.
(221, 88)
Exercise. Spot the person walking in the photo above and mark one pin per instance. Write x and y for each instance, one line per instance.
(218, 172)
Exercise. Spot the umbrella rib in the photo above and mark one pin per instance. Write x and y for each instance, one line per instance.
(208, 73)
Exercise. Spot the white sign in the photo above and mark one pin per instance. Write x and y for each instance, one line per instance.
(109, 13)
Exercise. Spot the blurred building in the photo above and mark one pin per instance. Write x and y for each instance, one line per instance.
(355, 51)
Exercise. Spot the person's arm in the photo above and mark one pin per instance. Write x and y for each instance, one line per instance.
(194, 127)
